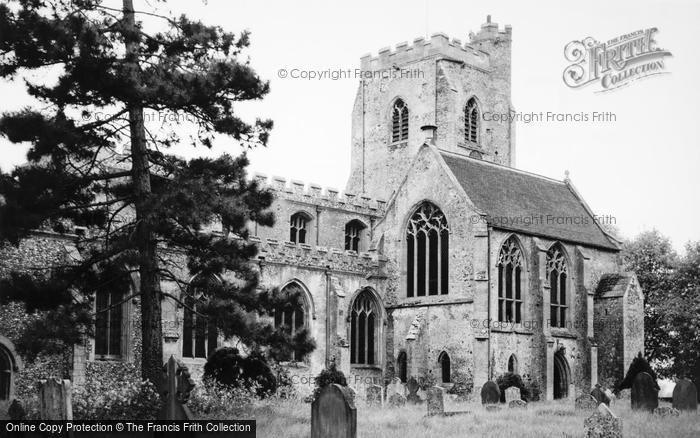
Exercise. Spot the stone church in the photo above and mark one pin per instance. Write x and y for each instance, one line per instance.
(440, 260)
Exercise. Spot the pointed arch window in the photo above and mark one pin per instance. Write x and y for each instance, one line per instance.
(364, 324)
(292, 316)
(510, 266)
(199, 335)
(557, 274)
(513, 364)
(298, 225)
(399, 121)
(427, 240)
(108, 323)
(402, 365)
(445, 367)
(471, 121)
(353, 235)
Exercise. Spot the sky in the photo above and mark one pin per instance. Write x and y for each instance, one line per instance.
(641, 168)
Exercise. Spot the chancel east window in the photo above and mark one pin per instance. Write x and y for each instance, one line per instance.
(199, 335)
(510, 266)
(427, 252)
(108, 324)
(353, 231)
(364, 320)
(291, 317)
(557, 272)
(399, 122)
(297, 228)
(471, 121)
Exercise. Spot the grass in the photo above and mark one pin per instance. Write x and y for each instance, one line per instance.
(286, 419)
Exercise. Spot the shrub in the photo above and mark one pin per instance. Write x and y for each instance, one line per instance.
(227, 367)
(638, 365)
(508, 380)
(213, 400)
(327, 377)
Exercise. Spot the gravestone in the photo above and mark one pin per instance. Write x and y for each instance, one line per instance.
(175, 391)
(600, 395)
(413, 387)
(333, 413)
(512, 393)
(586, 402)
(603, 424)
(685, 396)
(397, 400)
(436, 404)
(374, 395)
(54, 400)
(517, 404)
(490, 393)
(644, 393)
(492, 408)
(666, 411)
(395, 387)
(16, 412)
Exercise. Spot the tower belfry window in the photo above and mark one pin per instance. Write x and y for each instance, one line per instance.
(471, 121)
(399, 121)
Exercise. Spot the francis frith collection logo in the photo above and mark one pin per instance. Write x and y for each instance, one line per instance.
(616, 62)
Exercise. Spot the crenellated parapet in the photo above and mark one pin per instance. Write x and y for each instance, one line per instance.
(314, 194)
(308, 256)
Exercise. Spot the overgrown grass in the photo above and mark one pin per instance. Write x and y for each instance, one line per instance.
(292, 418)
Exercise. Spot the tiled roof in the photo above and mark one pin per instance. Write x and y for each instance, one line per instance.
(612, 285)
(520, 201)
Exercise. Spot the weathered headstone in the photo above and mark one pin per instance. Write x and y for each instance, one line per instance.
(644, 393)
(397, 400)
(512, 393)
(333, 413)
(685, 396)
(600, 395)
(666, 411)
(413, 387)
(603, 424)
(54, 400)
(395, 387)
(586, 402)
(517, 404)
(436, 404)
(374, 395)
(490, 393)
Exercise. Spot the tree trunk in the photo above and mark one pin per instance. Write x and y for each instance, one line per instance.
(151, 324)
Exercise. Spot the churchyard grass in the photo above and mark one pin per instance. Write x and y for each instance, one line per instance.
(292, 418)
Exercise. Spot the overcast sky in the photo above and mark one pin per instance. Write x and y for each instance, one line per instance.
(642, 168)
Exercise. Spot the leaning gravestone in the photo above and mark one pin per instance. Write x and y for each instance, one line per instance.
(54, 400)
(600, 395)
(603, 424)
(374, 395)
(490, 393)
(586, 402)
(512, 393)
(333, 413)
(436, 404)
(685, 396)
(413, 388)
(397, 400)
(645, 396)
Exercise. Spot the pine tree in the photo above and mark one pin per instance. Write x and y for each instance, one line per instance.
(142, 203)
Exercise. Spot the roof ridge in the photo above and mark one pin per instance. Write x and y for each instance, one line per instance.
(502, 166)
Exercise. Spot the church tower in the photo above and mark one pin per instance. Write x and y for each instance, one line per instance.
(461, 89)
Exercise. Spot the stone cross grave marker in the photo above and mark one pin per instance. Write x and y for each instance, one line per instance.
(603, 424)
(333, 413)
(436, 404)
(374, 395)
(54, 400)
(685, 396)
(490, 393)
(645, 396)
(512, 393)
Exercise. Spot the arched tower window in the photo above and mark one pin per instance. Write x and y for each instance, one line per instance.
(510, 266)
(199, 336)
(399, 121)
(292, 317)
(402, 366)
(5, 374)
(427, 239)
(353, 233)
(364, 324)
(298, 224)
(445, 371)
(471, 121)
(557, 272)
(513, 364)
